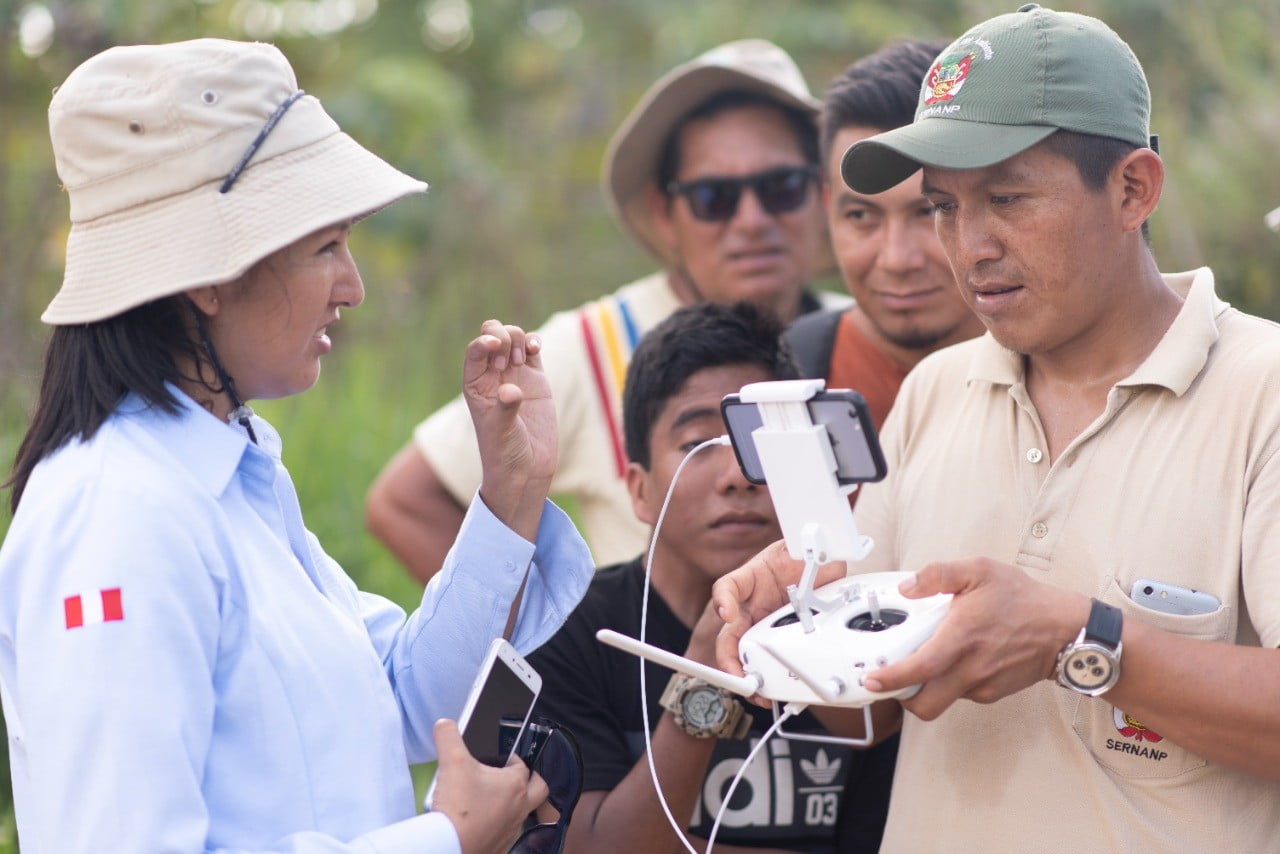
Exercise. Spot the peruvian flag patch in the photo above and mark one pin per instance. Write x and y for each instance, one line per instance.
(103, 606)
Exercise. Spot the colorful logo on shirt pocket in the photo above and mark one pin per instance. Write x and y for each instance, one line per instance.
(1131, 727)
(1125, 745)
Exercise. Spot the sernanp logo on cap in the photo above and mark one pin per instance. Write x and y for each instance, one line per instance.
(1052, 69)
(949, 73)
(1004, 86)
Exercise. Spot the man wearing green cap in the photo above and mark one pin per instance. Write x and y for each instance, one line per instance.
(1087, 479)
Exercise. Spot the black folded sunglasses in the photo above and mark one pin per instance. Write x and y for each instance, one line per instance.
(552, 751)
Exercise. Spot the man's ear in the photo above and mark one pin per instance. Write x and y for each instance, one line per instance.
(205, 298)
(1140, 175)
(638, 487)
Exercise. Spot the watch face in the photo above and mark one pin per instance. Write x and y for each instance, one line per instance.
(703, 707)
(1088, 668)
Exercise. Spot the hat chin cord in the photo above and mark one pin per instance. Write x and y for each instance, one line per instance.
(239, 412)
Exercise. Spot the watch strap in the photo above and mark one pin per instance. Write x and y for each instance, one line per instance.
(670, 699)
(1090, 664)
(1105, 625)
(737, 728)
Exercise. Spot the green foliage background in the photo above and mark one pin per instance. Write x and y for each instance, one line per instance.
(509, 125)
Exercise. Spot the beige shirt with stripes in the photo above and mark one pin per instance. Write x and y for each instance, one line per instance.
(1178, 480)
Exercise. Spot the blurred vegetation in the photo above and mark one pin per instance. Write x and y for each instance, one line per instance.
(505, 106)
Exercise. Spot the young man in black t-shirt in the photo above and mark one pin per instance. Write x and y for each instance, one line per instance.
(792, 797)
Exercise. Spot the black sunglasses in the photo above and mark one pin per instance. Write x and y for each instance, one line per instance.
(552, 751)
(716, 199)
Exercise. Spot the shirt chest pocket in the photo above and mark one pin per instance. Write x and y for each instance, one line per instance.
(1117, 740)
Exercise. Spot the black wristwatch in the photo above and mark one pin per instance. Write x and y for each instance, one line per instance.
(1090, 664)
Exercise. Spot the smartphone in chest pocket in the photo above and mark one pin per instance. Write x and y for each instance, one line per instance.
(1172, 599)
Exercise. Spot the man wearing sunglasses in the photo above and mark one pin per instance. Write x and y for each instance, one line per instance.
(792, 795)
(715, 174)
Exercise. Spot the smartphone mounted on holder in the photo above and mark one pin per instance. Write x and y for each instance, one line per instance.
(813, 448)
(850, 431)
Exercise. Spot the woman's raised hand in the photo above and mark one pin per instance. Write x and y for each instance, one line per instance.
(515, 422)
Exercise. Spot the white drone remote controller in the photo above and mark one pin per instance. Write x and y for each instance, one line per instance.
(871, 625)
(820, 647)
(867, 624)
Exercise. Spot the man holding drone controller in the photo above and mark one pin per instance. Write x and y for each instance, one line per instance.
(1052, 472)
(792, 795)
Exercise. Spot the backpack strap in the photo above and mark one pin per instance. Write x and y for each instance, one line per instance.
(812, 337)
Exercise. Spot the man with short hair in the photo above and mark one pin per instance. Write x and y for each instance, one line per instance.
(714, 173)
(1094, 444)
(792, 794)
(906, 303)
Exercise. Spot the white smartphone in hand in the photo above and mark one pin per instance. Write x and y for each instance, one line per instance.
(498, 707)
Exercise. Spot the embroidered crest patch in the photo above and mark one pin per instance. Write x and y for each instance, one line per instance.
(1130, 727)
(950, 72)
(946, 78)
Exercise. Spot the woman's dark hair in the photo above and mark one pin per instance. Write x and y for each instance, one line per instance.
(692, 339)
(88, 369)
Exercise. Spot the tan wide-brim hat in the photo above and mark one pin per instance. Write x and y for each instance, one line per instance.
(631, 159)
(144, 138)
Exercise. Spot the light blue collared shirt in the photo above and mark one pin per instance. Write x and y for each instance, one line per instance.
(242, 695)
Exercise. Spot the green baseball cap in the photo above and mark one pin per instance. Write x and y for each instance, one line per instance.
(1004, 86)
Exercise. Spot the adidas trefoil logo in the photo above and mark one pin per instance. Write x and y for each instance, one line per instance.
(822, 770)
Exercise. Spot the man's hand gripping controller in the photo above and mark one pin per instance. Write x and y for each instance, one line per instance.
(820, 646)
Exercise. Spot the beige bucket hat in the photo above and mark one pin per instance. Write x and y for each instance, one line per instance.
(146, 138)
(631, 159)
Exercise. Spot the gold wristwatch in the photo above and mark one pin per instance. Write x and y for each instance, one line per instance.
(703, 710)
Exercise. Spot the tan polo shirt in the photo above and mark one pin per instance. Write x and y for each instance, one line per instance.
(1177, 480)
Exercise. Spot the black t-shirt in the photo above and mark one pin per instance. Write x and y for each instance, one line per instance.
(794, 794)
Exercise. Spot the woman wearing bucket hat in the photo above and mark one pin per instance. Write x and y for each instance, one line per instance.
(182, 667)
